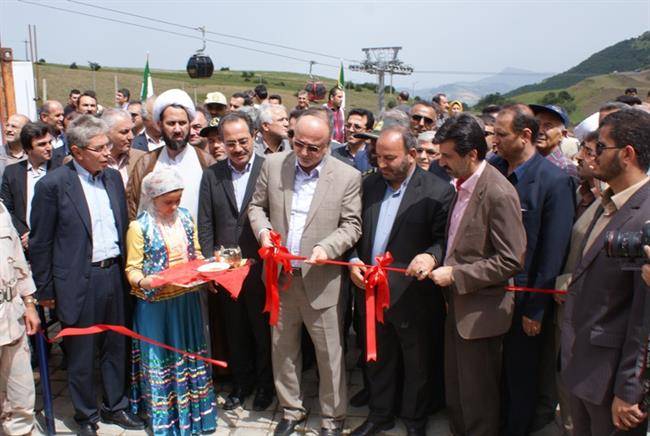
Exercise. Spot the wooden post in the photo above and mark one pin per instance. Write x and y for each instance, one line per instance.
(44, 89)
(8, 92)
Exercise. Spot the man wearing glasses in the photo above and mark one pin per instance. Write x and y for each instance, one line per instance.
(77, 252)
(359, 121)
(423, 118)
(314, 202)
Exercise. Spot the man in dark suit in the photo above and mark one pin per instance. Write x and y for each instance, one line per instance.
(77, 252)
(19, 179)
(404, 212)
(603, 340)
(547, 197)
(485, 247)
(226, 190)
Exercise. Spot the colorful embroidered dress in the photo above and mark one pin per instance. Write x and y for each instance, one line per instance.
(175, 392)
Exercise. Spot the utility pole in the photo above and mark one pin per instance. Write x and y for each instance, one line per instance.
(382, 61)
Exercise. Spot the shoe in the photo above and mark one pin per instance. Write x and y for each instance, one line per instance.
(416, 431)
(361, 398)
(369, 428)
(87, 429)
(236, 398)
(263, 399)
(330, 432)
(286, 426)
(124, 419)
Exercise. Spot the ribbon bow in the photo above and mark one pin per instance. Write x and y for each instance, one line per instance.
(274, 256)
(377, 300)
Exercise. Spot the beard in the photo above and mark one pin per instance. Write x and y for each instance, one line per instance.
(610, 171)
(176, 144)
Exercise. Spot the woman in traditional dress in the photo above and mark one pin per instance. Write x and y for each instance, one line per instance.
(174, 391)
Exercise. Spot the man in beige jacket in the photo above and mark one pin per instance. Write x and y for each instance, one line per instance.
(314, 202)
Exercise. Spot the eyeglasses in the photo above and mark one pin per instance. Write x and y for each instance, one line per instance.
(419, 118)
(241, 141)
(600, 147)
(310, 148)
(102, 149)
(586, 150)
(352, 126)
(428, 151)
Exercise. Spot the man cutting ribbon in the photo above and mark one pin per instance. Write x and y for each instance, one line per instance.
(313, 201)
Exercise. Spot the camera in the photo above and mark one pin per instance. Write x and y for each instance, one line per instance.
(628, 245)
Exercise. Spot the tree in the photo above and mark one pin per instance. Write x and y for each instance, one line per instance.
(562, 98)
(491, 99)
(73, 66)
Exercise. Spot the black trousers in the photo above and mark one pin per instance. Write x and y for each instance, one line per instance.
(104, 304)
(408, 377)
(522, 357)
(248, 333)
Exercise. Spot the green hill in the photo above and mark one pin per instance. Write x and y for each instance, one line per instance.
(60, 79)
(629, 55)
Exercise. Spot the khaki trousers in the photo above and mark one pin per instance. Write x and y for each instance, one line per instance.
(324, 327)
(16, 388)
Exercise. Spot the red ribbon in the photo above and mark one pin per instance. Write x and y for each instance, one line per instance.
(274, 256)
(377, 300)
(101, 328)
(537, 290)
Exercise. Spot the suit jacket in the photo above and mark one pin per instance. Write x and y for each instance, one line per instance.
(14, 189)
(333, 221)
(60, 240)
(436, 169)
(146, 164)
(602, 334)
(419, 227)
(140, 143)
(488, 249)
(547, 197)
(219, 221)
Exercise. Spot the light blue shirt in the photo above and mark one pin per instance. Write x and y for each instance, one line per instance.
(240, 180)
(387, 214)
(304, 187)
(104, 231)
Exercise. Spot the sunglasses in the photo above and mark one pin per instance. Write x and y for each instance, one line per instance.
(310, 148)
(352, 126)
(600, 147)
(419, 118)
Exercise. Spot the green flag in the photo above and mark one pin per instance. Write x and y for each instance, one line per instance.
(147, 83)
(341, 80)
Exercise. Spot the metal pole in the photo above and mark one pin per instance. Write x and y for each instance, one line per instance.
(380, 75)
(44, 89)
(31, 46)
(41, 349)
(35, 44)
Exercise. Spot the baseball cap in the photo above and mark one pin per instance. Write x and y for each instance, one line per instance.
(215, 98)
(212, 126)
(554, 109)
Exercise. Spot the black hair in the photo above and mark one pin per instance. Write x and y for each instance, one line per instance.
(523, 118)
(631, 90)
(436, 98)
(125, 92)
(466, 133)
(276, 97)
(296, 113)
(232, 117)
(629, 100)
(629, 127)
(261, 92)
(32, 131)
(74, 91)
(370, 118)
(404, 95)
(89, 93)
(333, 92)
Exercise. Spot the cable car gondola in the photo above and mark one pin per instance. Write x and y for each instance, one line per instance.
(315, 88)
(200, 66)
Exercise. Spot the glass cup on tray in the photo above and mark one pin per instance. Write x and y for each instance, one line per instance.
(231, 254)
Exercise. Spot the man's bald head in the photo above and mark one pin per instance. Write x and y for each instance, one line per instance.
(14, 125)
(52, 115)
(311, 141)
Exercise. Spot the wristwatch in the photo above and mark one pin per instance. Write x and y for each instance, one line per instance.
(30, 300)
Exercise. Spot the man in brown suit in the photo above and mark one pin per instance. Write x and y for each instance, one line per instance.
(486, 243)
(602, 331)
(314, 201)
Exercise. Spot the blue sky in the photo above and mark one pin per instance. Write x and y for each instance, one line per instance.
(481, 36)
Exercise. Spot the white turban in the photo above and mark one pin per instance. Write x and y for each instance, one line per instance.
(170, 97)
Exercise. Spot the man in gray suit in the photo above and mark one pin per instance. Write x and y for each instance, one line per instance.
(314, 202)
(602, 339)
(486, 243)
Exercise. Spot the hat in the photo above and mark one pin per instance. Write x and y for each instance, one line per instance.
(170, 97)
(551, 109)
(212, 126)
(215, 98)
(373, 134)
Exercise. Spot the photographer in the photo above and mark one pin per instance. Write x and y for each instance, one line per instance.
(603, 318)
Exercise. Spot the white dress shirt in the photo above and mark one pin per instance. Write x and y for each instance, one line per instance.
(240, 180)
(33, 176)
(304, 187)
(188, 166)
(104, 230)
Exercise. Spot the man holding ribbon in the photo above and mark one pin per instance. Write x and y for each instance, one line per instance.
(404, 213)
(313, 202)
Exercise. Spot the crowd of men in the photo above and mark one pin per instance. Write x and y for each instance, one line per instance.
(468, 204)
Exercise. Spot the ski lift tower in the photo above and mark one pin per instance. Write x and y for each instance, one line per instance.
(382, 61)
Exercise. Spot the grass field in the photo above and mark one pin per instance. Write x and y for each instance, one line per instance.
(591, 93)
(60, 79)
